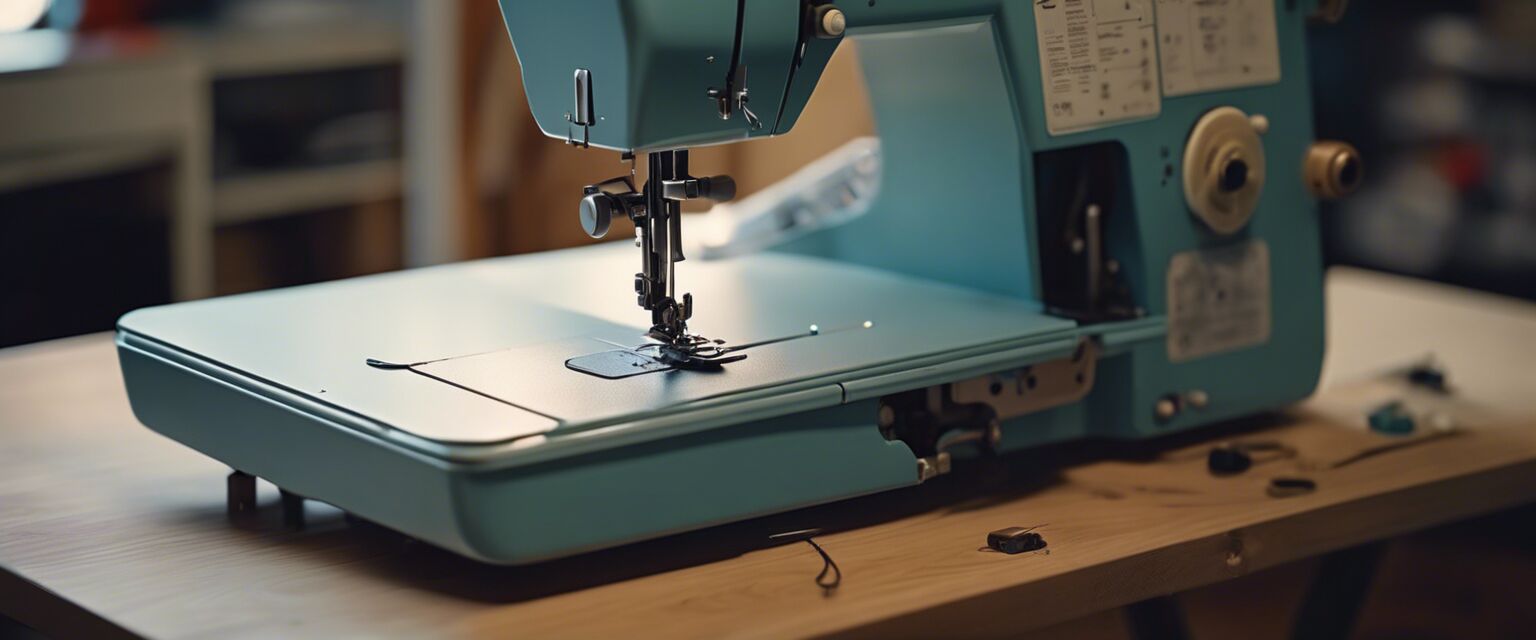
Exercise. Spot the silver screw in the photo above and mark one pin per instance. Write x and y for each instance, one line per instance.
(931, 467)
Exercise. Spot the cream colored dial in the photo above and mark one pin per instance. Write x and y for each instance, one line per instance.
(1224, 169)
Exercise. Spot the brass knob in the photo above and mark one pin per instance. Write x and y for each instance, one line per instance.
(1333, 169)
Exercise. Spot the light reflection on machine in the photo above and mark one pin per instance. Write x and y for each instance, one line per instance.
(833, 190)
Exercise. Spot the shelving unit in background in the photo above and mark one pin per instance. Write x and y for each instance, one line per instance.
(105, 105)
(236, 54)
(250, 198)
(76, 107)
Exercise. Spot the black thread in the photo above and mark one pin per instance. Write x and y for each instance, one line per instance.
(828, 566)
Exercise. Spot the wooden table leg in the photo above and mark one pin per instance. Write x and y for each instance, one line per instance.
(1159, 618)
(1338, 590)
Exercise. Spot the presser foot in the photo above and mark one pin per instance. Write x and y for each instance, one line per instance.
(679, 349)
(694, 353)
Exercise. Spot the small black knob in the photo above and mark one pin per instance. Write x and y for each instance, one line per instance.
(1234, 176)
(597, 213)
(1226, 460)
(717, 188)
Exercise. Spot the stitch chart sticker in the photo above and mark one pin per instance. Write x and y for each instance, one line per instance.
(1096, 62)
(1211, 45)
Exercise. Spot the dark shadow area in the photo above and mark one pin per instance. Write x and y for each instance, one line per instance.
(13, 630)
(76, 256)
(26, 607)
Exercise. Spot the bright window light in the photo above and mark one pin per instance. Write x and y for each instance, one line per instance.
(20, 15)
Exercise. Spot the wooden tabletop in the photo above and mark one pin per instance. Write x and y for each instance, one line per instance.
(100, 515)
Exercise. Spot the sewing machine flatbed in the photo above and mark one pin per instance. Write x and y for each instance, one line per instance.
(489, 445)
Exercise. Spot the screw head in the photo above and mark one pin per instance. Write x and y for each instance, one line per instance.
(1165, 409)
(833, 23)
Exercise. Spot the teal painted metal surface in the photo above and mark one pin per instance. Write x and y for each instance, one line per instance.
(935, 115)
(651, 65)
(273, 383)
(524, 316)
(951, 206)
(749, 469)
(515, 515)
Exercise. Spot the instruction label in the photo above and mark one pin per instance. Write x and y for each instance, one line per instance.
(1209, 45)
(1218, 300)
(1096, 62)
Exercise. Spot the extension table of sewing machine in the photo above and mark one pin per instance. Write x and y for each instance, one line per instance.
(109, 529)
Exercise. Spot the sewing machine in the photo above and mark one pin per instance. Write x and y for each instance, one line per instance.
(1083, 218)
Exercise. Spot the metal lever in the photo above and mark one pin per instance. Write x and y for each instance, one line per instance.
(735, 98)
(581, 115)
(717, 188)
(583, 112)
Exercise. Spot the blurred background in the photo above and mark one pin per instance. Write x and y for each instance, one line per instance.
(161, 150)
(1440, 98)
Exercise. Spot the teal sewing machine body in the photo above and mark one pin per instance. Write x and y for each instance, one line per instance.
(1032, 269)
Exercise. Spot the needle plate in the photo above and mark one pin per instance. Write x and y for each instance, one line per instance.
(615, 364)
